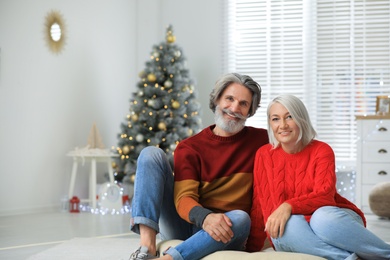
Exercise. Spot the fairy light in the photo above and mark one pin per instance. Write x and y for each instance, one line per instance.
(126, 209)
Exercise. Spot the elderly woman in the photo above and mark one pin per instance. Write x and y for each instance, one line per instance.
(295, 199)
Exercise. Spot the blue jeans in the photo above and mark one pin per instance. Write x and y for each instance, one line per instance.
(153, 206)
(333, 233)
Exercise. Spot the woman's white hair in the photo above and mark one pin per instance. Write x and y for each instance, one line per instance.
(299, 113)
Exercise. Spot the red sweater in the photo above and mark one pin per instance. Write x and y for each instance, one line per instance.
(306, 180)
(215, 173)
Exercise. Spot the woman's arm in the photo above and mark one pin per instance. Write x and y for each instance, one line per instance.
(318, 185)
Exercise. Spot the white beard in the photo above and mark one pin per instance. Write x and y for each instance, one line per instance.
(230, 126)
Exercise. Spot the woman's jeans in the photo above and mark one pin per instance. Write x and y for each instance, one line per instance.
(333, 233)
(153, 206)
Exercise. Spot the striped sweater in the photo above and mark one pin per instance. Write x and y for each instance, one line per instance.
(306, 180)
(214, 173)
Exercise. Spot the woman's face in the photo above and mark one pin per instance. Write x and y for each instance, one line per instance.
(285, 130)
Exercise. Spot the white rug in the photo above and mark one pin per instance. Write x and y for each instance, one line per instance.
(90, 248)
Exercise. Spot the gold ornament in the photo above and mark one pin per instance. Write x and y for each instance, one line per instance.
(171, 38)
(142, 74)
(162, 126)
(175, 104)
(126, 149)
(185, 88)
(113, 165)
(134, 117)
(151, 77)
(132, 178)
(190, 131)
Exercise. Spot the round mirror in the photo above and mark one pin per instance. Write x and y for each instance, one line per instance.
(55, 31)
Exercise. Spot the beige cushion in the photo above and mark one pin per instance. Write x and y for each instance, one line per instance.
(236, 255)
(379, 199)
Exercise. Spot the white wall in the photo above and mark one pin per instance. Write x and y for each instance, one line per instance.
(49, 102)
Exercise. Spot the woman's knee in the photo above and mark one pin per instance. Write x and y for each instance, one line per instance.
(322, 215)
(323, 218)
(328, 214)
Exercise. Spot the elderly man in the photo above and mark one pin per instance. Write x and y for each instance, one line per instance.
(207, 200)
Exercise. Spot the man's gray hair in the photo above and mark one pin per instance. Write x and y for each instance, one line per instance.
(243, 80)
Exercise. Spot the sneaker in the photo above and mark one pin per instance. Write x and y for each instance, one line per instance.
(142, 253)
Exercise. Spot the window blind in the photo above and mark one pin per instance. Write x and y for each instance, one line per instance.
(334, 55)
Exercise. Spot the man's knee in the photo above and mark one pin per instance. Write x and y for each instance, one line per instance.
(241, 221)
(150, 152)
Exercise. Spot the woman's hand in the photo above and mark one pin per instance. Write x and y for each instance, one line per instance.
(218, 225)
(276, 222)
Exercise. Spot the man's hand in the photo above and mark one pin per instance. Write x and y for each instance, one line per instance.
(217, 225)
(276, 222)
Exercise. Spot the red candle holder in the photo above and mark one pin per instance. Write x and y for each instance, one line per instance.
(125, 199)
(74, 205)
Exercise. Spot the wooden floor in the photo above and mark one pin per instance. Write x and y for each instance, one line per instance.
(24, 235)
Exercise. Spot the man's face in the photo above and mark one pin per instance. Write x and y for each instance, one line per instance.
(233, 108)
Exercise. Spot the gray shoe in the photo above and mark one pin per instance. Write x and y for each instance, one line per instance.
(142, 253)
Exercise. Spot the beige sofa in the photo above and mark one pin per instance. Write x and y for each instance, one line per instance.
(266, 254)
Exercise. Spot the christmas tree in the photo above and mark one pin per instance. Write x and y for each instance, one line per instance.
(163, 110)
